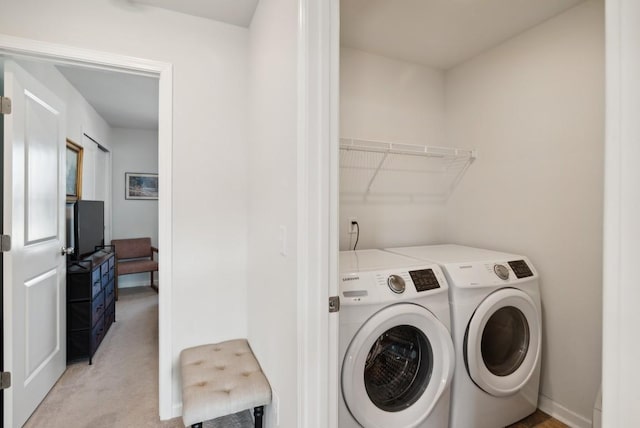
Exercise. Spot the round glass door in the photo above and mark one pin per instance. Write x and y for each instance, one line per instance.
(505, 341)
(397, 367)
(502, 342)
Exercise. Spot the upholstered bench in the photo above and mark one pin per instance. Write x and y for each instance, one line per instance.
(222, 379)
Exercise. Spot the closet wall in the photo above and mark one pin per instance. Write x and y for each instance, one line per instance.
(533, 107)
(384, 99)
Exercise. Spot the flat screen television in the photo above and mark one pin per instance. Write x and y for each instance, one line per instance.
(85, 227)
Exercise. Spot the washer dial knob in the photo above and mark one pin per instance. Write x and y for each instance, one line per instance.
(501, 271)
(396, 284)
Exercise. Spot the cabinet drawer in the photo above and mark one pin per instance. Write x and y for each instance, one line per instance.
(104, 273)
(109, 293)
(96, 287)
(95, 275)
(97, 307)
(85, 314)
(79, 286)
(109, 316)
(112, 268)
(78, 344)
(97, 334)
(79, 315)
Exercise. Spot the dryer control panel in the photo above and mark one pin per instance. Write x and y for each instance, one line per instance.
(499, 272)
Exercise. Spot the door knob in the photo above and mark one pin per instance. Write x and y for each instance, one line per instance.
(67, 251)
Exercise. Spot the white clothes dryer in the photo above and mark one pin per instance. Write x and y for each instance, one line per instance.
(497, 333)
(395, 344)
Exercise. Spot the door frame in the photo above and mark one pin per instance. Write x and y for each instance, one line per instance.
(31, 49)
(317, 211)
(621, 295)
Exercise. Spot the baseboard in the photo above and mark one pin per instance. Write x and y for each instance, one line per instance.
(563, 414)
(176, 410)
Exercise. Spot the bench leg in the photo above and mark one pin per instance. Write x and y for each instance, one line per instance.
(198, 425)
(257, 413)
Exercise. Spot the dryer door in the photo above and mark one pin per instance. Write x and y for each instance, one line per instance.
(502, 342)
(397, 367)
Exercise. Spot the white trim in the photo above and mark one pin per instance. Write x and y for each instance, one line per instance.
(20, 47)
(165, 243)
(562, 414)
(314, 212)
(621, 295)
(15, 46)
(333, 90)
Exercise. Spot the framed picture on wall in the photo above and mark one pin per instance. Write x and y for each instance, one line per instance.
(141, 186)
(74, 171)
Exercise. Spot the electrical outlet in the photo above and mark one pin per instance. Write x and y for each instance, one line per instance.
(351, 227)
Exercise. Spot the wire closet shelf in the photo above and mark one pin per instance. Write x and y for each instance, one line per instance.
(373, 170)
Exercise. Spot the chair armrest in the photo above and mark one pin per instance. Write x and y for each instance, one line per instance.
(153, 250)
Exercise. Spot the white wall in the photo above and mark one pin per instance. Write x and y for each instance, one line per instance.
(134, 150)
(384, 99)
(208, 301)
(272, 291)
(534, 109)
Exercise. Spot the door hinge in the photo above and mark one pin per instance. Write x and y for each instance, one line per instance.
(334, 304)
(5, 380)
(5, 105)
(5, 243)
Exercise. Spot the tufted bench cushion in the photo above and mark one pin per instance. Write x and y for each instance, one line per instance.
(221, 379)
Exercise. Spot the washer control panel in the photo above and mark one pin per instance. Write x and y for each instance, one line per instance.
(396, 284)
(390, 285)
(424, 279)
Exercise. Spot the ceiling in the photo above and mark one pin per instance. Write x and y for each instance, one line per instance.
(236, 12)
(436, 33)
(439, 33)
(123, 100)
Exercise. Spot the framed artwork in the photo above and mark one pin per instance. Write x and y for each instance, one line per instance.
(74, 171)
(140, 186)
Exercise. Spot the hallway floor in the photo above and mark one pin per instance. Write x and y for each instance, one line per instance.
(120, 388)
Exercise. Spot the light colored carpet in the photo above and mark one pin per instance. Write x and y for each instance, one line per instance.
(120, 388)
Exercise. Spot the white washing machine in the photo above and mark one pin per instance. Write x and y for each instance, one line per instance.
(395, 343)
(496, 326)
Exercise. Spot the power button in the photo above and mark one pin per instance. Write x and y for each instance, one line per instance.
(501, 271)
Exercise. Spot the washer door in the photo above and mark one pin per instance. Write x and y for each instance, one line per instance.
(502, 342)
(397, 367)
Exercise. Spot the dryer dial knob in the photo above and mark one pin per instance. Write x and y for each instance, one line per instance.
(396, 284)
(501, 271)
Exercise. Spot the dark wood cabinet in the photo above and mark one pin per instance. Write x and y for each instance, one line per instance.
(91, 305)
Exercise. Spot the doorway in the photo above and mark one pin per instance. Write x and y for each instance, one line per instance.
(13, 47)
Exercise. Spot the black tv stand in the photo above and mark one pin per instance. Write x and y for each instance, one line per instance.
(91, 307)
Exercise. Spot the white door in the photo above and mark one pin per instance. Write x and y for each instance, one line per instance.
(34, 269)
